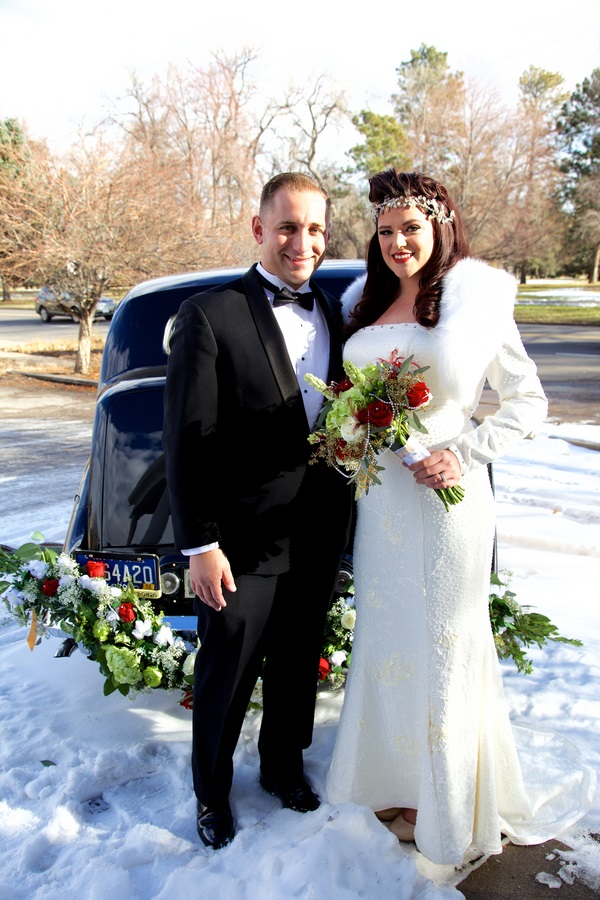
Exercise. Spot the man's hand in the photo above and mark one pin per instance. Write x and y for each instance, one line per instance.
(209, 574)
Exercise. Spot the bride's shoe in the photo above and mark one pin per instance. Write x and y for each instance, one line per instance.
(404, 831)
(388, 815)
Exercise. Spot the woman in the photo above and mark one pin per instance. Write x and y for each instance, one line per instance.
(424, 734)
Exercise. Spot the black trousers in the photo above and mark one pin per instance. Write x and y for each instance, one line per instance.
(272, 626)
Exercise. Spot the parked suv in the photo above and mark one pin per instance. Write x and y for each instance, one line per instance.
(50, 303)
(121, 513)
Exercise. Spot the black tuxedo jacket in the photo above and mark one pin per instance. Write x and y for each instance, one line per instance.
(235, 435)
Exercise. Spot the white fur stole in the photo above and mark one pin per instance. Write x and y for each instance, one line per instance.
(476, 313)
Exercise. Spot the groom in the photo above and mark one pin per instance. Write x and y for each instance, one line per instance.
(264, 531)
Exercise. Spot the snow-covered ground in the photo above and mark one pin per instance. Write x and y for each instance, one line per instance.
(95, 793)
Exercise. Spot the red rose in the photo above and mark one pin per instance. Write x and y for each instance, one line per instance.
(50, 587)
(126, 612)
(340, 446)
(378, 413)
(418, 396)
(95, 568)
(344, 385)
(324, 669)
(188, 699)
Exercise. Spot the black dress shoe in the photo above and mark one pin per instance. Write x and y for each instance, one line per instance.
(300, 797)
(215, 826)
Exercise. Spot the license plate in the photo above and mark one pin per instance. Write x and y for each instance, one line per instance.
(142, 572)
(187, 587)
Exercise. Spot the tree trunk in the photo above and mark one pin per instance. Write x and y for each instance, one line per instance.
(595, 267)
(84, 346)
(5, 291)
(523, 272)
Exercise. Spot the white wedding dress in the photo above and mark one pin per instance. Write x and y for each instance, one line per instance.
(424, 722)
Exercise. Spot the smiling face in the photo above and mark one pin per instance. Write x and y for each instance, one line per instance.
(292, 232)
(406, 240)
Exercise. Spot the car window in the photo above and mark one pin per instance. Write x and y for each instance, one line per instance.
(135, 502)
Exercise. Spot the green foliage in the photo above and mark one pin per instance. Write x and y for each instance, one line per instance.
(11, 561)
(385, 144)
(426, 70)
(542, 89)
(12, 137)
(579, 128)
(515, 629)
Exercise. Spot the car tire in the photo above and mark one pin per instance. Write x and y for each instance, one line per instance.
(75, 314)
(43, 314)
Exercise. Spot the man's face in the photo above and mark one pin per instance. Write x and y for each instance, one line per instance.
(293, 234)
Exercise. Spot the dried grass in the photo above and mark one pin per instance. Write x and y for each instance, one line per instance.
(51, 348)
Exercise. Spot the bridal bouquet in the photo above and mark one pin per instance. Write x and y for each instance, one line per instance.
(370, 411)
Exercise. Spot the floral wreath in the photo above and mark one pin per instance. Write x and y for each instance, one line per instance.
(113, 626)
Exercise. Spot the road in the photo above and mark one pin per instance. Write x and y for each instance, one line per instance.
(24, 326)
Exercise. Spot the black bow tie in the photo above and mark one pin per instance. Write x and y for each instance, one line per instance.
(285, 295)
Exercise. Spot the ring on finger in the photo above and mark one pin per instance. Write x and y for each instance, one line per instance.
(442, 478)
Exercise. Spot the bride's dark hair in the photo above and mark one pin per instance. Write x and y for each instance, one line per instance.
(450, 243)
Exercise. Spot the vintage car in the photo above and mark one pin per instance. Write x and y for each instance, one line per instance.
(121, 512)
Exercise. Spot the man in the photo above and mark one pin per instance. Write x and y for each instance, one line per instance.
(264, 530)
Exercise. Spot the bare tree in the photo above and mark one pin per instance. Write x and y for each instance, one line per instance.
(483, 169)
(202, 126)
(87, 221)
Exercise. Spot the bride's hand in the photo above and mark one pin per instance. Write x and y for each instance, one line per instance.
(441, 469)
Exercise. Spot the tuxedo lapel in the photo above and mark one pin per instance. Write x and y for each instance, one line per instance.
(271, 336)
(334, 327)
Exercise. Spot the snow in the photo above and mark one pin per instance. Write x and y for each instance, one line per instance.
(95, 792)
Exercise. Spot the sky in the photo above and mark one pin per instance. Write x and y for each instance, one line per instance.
(113, 816)
(63, 62)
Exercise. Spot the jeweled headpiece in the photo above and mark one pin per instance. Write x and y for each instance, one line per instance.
(428, 206)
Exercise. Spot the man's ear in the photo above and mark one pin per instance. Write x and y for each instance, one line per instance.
(257, 229)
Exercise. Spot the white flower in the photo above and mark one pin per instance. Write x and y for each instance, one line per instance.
(66, 581)
(88, 584)
(70, 594)
(352, 430)
(111, 615)
(188, 663)
(163, 636)
(37, 567)
(66, 565)
(348, 620)
(142, 629)
(13, 597)
(338, 658)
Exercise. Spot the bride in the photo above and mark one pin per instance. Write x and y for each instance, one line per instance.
(424, 738)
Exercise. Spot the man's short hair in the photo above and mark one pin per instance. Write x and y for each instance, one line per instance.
(290, 181)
